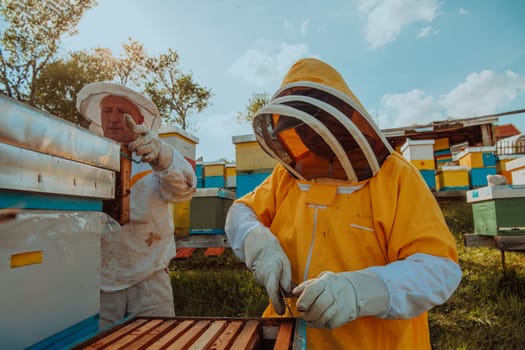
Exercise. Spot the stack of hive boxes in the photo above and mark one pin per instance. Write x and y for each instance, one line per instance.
(253, 164)
(215, 174)
(421, 155)
(54, 179)
(442, 152)
(480, 162)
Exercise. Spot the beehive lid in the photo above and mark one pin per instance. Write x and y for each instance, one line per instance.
(410, 143)
(485, 149)
(29, 128)
(495, 192)
(452, 168)
(214, 192)
(515, 164)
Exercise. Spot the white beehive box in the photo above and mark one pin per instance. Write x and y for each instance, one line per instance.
(517, 170)
(50, 273)
(418, 149)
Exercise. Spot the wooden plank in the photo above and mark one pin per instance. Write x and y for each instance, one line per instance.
(515, 243)
(207, 338)
(171, 336)
(116, 335)
(249, 336)
(227, 337)
(284, 337)
(475, 240)
(184, 342)
(201, 241)
(154, 333)
(132, 336)
(507, 243)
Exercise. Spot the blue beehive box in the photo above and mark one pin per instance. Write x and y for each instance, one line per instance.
(478, 176)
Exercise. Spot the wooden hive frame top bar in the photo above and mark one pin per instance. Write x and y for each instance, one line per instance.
(196, 333)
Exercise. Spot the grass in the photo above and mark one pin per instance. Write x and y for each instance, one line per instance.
(486, 312)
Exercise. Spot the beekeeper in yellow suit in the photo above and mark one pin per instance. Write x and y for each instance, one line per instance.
(344, 225)
(135, 259)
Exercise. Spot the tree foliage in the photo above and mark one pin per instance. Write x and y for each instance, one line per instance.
(30, 37)
(256, 102)
(57, 85)
(31, 71)
(130, 66)
(176, 94)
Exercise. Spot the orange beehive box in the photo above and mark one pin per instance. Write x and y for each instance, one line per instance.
(198, 333)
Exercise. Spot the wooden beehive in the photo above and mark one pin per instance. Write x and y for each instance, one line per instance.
(197, 333)
(118, 207)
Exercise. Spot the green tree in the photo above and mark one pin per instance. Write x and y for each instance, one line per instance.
(256, 102)
(176, 94)
(29, 39)
(57, 85)
(130, 66)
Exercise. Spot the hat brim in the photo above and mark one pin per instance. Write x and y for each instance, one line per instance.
(90, 96)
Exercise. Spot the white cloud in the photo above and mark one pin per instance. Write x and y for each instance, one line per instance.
(215, 136)
(386, 18)
(404, 109)
(304, 26)
(481, 93)
(268, 64)
(426, 31)
(462, 11)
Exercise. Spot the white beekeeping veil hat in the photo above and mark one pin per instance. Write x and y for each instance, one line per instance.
(90, 96)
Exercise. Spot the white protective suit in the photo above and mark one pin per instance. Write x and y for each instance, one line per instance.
(143, 248)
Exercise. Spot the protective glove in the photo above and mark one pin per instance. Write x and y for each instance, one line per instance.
(333, 299)
(148, 145)
(269, 264)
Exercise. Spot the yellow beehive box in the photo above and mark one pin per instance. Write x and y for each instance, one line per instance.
(476, 157)
(441, 144)
(249, 155)
(181, 217)
(217, 168)
(231, 176)
(424, 164)
(452, 178)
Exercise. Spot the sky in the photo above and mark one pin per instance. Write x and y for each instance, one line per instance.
(408, 61)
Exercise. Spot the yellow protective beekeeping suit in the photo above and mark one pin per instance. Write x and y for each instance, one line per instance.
(341, 200)
(347, 232)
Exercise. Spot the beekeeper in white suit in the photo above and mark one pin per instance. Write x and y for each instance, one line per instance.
(134, 262)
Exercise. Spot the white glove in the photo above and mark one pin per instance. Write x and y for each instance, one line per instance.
(269, 264)
(148, 145)
(333, 299)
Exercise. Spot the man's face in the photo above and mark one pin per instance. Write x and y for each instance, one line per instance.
(112, 110)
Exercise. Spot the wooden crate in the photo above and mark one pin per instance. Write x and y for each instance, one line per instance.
(197, 333)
